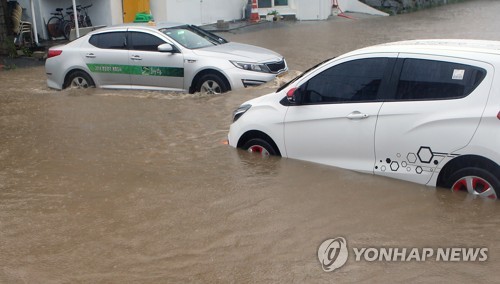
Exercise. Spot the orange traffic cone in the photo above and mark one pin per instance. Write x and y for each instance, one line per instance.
(254, 16)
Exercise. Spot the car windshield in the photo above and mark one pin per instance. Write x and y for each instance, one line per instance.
(302, 75)
(193, 37)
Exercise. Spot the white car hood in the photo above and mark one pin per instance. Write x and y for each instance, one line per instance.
(240, 51)
(268, 99)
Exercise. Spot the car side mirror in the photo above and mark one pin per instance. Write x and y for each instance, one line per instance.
(166, 47)
(294, 96)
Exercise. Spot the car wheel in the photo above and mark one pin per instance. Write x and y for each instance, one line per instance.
(211, 84)
(79, 80)
(260, 146)
(477, 182)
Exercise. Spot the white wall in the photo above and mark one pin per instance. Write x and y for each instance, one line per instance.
(313, 9)
(159, 10)
(291, 9)
(105, 12)
(102, 12)
(110, 12)
(196, 11)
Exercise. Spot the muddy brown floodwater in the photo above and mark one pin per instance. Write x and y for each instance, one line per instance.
(102, 186)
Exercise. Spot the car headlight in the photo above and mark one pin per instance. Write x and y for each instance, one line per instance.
(252, 66)
(240, 111)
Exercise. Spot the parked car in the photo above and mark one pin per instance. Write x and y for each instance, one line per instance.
(162, 56)
(426, 111)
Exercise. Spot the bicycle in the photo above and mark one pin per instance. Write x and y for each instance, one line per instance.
(82, 16)
(86, 18)
(57, 26)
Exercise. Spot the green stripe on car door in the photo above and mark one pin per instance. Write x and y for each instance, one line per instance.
(137, 70)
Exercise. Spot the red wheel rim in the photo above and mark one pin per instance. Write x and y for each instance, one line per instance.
(475, 186)
(259, 150)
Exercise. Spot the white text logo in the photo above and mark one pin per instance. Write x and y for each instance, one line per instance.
(333, 254)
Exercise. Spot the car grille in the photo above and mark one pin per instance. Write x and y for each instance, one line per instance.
(277, 67)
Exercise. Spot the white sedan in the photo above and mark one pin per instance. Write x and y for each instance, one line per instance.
(162, 56)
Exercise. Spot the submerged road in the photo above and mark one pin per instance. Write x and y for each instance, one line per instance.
(104, 186)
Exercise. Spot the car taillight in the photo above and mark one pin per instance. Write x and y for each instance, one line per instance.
(498, 115)
(290, 93)
(53, 53)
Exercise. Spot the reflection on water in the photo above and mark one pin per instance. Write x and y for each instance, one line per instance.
(136, 186)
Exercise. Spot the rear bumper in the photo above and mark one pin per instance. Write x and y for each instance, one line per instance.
(53, 71)
(51, 83)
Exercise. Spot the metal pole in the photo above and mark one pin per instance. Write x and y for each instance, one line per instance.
(35, 30)
(75, 17)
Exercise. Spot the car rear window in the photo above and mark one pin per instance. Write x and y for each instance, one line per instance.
(423, 79)
(112, 40)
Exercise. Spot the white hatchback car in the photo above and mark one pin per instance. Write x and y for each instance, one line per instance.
(425, 111)
(163, 56)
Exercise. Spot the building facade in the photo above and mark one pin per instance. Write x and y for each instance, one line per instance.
(112, 12)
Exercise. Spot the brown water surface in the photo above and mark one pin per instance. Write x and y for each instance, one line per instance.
(115, 186)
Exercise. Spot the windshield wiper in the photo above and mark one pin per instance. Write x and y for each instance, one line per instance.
(213, 37)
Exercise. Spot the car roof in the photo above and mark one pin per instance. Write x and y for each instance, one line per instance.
(146, 26)
(432, 45)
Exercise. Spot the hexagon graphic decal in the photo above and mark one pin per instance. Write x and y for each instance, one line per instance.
(419, 170)
(394, 166)
(411, 157)
(425, 154)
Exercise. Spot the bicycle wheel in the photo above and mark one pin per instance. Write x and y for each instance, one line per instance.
(88, 22)
(54, 27)
(81, 21)
(66, 28)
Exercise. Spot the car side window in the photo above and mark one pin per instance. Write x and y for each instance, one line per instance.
(353, 81)
(145, 41)
(112, 40)
(423, 79)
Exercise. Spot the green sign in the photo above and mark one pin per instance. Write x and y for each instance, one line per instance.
(137, 70)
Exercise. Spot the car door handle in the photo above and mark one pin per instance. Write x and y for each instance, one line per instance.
(136, 57)
(90, 55)
(357, 115)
